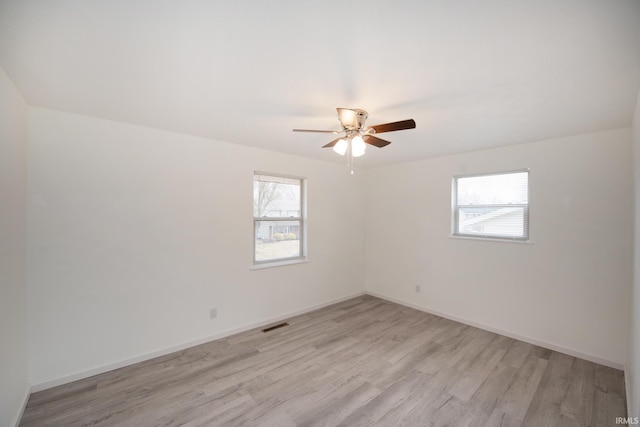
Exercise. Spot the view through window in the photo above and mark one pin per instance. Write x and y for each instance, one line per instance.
(492, 205)
(278, 218)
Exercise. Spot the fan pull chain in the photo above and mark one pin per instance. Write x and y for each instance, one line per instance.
(350, 156)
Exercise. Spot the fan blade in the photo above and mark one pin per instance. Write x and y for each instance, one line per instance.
(390, 127)
(317, 131)
(377, 142)
(332, 143)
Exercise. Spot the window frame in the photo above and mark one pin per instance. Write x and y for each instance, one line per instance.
(455, 211)
(301, 219)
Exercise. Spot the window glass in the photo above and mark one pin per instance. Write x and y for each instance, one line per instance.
(492, 205)
(278, 220)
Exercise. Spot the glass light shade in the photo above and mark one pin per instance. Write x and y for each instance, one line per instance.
(341, 147)
(358, 146)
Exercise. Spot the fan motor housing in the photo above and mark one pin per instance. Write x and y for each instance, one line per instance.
(352, 118)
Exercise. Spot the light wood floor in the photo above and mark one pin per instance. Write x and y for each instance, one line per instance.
(360, 362)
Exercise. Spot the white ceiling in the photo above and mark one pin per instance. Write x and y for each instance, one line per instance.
(473, 74)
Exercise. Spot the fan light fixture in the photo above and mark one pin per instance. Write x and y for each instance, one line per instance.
(356, 145)
(341, 147)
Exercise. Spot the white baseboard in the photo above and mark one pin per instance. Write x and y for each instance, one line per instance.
(509, 334)
(25, 399)
(121, 364)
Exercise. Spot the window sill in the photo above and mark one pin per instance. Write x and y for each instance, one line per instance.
(491, 239)
(278, 263)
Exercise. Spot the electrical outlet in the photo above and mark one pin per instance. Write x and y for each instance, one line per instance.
(213, 313)
(418, 288)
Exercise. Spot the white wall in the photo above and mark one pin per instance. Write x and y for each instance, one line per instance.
(632, 372)
(568, 289)
(135, 233)
(14, 384)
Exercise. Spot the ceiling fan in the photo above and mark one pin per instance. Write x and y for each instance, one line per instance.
(356, 136)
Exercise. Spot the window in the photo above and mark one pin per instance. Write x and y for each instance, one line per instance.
(278, 218)
(492, 206)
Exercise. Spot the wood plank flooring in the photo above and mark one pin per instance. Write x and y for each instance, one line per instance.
(361, 362)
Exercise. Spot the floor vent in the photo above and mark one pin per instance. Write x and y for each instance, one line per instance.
(271, 328)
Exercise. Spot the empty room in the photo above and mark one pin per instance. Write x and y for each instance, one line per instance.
(336, 213)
